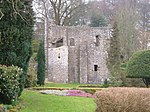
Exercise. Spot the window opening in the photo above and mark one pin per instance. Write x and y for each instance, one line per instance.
(95, 67)
(59, 55)
(97, 40)
(59, 43)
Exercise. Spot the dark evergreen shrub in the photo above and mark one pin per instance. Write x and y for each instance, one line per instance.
(9, 83)
(98, 21)
(16, 34)
(35, 45)
(139, 66)
(32, 69)
(41, 65)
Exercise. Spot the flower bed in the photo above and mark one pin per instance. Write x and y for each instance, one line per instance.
(50, 88)
(79, 93)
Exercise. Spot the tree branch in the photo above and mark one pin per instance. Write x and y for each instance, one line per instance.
(1, 13)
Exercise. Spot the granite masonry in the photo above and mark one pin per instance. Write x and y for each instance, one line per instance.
(77, 54)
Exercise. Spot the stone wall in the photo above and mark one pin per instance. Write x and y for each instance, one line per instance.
(84, 54)
(58, 64)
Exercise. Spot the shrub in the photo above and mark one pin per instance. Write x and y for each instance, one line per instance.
(35, 45)
(139, 66)
(31, 75)
(115, 82)
(31, 79)
(9, 83)
(16, 31)
(123, 100)
(41, 64)
(2, 109)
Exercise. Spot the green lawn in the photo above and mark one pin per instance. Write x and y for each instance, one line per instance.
(35, 102)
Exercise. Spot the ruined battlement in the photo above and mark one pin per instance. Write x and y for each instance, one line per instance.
(78, 54)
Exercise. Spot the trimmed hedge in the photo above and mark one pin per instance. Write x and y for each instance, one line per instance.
(9, 83)
(139, 66)
(123, 100)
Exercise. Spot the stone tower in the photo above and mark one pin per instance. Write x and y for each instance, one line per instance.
(78, 54)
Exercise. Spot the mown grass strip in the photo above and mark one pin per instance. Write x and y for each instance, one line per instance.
(35, 102)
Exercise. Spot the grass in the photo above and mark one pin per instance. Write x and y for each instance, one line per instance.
(35, 102)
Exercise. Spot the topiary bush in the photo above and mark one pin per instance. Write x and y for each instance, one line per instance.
(123, 100)
(9, 83)
(139, 66)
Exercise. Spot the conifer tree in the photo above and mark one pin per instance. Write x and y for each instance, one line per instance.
(114, 54)
(16, 28)
(41, 64)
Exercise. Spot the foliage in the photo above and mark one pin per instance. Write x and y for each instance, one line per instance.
(16, 29)
(80, 93)
(41, 65)
(114, 54)
(32, 69)
(9, 83)
(55, 103)
(98, 21)
(2, 109)
(123, 100)
(127, 18)
(123, 65)
(129, 82)
(35, 45)
(139, 66)
(91, 91)
(134, 82)
(115, 82)
(31, 75)
(106, 84)
(114, 50)
(71, 85)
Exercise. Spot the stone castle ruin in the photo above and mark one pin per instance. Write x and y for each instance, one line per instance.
(78, 54)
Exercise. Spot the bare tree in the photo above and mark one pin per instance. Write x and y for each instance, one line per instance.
(127, 18)
(144, 23)
(64, 10)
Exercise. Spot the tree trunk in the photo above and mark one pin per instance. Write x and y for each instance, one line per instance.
(146, 81)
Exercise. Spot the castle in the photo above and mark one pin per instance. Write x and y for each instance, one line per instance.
(78, 54)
